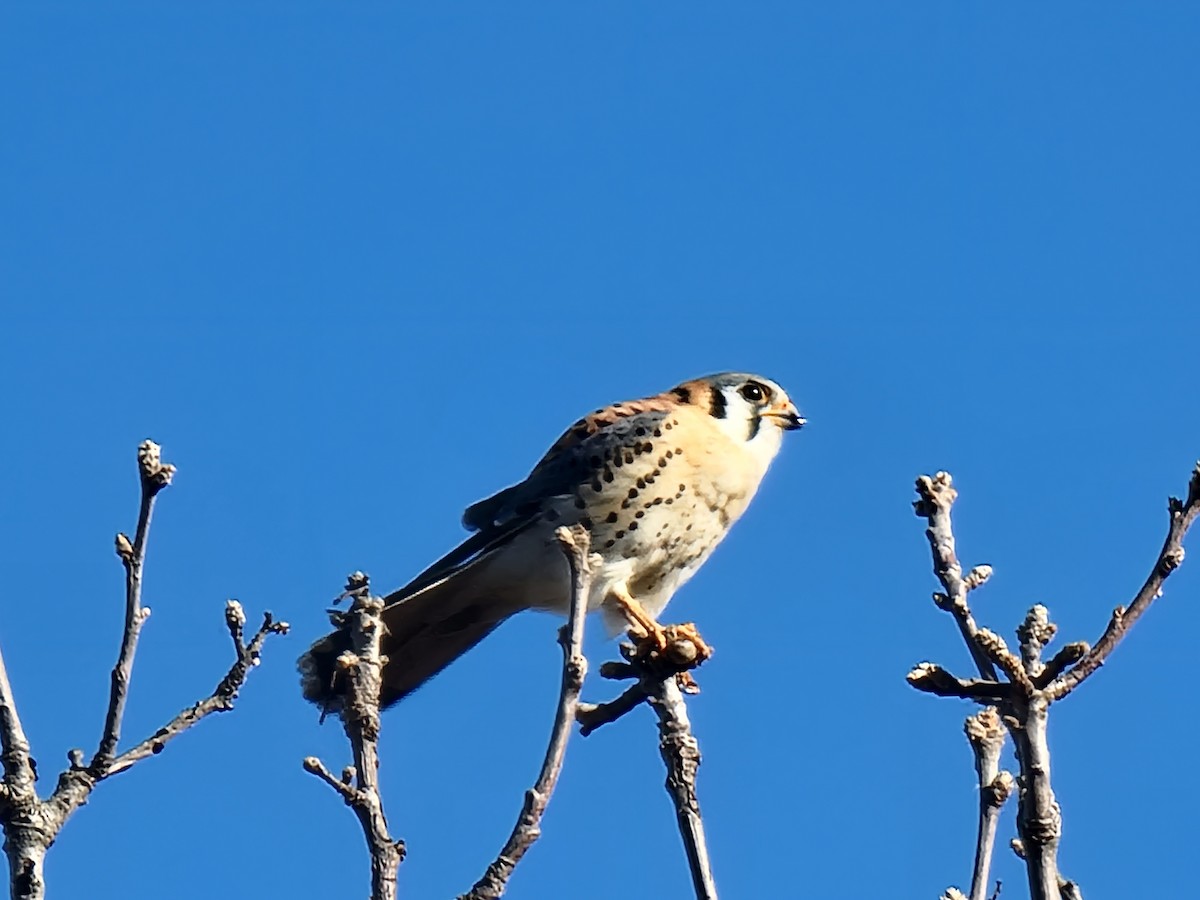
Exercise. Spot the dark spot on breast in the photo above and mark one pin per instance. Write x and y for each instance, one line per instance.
(633, 492)
(633, 526)
(586, 522)
(636, 515)
(682, 488)
(596, 486)
(641, 483)
(608, 475)
(608, 544)
(619, 535)
(658, 432)
(628, 457)
(611, 517)
(669, 426)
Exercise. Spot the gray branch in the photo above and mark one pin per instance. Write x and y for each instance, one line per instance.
(574, 542)
(31, 824)
(985, 733)
(662, 678)
(1182, 514)
(1032, 684)
(359, 785)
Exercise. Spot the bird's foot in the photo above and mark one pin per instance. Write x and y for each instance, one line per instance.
(678, 647)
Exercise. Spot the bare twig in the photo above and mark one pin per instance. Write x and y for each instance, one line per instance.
(574, 543)
(220, 700)
(1182, 515)
(937, 497)
(154, 475)
(933, 679)
(985, 733)
(592, 715)
(31, 824)
(660, 674)
(359, 784)
(681, 753)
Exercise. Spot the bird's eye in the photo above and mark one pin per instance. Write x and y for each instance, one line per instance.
(754, 392)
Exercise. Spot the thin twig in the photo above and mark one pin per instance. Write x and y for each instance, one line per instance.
(220, 700)
(985, 733)
(360, 718)
(937, 497)
(592, 715)
(574, 543)
(154, 476)
(1182, 515)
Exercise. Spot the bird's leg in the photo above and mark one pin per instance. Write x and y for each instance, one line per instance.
(641, 623)
(655, 638)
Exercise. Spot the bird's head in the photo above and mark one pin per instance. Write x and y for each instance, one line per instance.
(749, 409)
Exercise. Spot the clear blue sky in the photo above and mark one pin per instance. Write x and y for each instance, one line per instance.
(357, 266)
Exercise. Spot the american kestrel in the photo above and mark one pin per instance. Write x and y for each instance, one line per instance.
(657, 482)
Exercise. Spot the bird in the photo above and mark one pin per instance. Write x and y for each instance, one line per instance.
(657, 483)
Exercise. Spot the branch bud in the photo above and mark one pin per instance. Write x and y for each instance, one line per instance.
(124, 547)
(977, 577)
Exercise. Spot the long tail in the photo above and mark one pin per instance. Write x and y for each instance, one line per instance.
(427, 630)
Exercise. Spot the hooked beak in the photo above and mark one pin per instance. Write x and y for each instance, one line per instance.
(786, 415)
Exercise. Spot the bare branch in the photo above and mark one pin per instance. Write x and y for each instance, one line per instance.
(1039, 820)
(933, 679)
(681, 753)
(220, 700)
(985, 733)
(154, 475)
(31, 824)
(360, 718)
(937, 497)
(592, 715)
(574, 542)
(1061, 661)
(1182, 515)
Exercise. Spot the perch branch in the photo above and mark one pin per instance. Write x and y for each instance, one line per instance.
(663, 677)
(1182, 515)
(359, 785)
(681, 753)
(574, 543)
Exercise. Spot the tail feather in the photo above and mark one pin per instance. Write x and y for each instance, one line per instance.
(424, 633)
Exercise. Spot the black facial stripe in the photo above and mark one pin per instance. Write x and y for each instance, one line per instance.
(717, 401)
(755, 422)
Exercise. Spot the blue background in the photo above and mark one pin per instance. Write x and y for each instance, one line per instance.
(357, 266)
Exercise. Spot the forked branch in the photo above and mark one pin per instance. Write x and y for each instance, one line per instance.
(31, 824)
